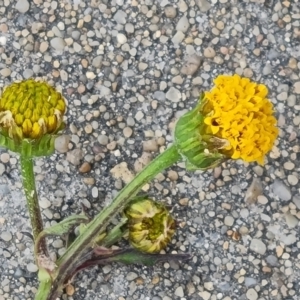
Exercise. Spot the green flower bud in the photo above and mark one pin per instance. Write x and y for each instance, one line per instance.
(31, 113)
(150, 225)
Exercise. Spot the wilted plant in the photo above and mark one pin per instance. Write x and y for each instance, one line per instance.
(234, 120)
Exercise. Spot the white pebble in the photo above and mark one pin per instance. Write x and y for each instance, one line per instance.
(258, 246)
(121, 38)
(95, 192)
(32, 268)
(251, 294)
(173, 95)
(22, 6)
(58, 43)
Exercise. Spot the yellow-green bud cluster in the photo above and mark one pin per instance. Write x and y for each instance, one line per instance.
(150, 225)
(30, 109)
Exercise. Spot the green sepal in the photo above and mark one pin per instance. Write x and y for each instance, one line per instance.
(195, 149)
(207, 161)
(29, 148)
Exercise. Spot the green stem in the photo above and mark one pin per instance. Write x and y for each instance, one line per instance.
(43, 290)
(114, 235)
(67, 263)
(32, 201)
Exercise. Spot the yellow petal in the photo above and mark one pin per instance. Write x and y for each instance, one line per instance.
(242, 115)
(36, 131)
(19, 119)
(27, 127)
(52, 124)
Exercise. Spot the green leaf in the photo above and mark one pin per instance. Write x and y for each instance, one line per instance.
(61, 228)
(65, 226)
(132, 256)
(129, 256)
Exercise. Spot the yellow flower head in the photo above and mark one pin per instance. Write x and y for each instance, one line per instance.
(237, 112)
(30, 109)
(150, 225)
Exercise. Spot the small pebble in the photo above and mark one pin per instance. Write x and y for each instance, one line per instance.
(61, 143)
(85, 168)
(58, 43)
(127, 131)
(179, 292)
(229, 221)
(22, 6)
(75, 156)
(122, 39)
(254, 191)
(297, 87)
(32, 268)
(249, 282)
(209, 52)
(183, 24)
(252, 294)
(103, 139)
(272, 260)
(170, 12)
(6, 236)
(5, 72)
(282, 191)
(150, 146)
(131, 276)
(120, 17)
(95, 192)
(191, 65)
(173, 95)
(258, 246)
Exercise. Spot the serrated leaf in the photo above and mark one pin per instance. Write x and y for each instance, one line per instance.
(65, 226)
(129, 256)
(61, 228)
(135, 257)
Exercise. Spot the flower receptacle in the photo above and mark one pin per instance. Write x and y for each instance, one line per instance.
(198, 150)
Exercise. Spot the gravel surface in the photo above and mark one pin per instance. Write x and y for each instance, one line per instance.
(128, 69)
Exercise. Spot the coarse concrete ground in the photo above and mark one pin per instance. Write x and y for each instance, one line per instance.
(128, 70)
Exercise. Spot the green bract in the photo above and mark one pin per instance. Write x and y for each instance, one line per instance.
(199, 151)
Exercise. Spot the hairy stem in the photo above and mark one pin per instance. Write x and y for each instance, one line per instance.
(32, 201)
(67, 263)
(44, 287)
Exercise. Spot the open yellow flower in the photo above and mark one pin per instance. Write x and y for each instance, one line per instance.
(233, 120)
(237, 110)
(150, 225)
(31, 112)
